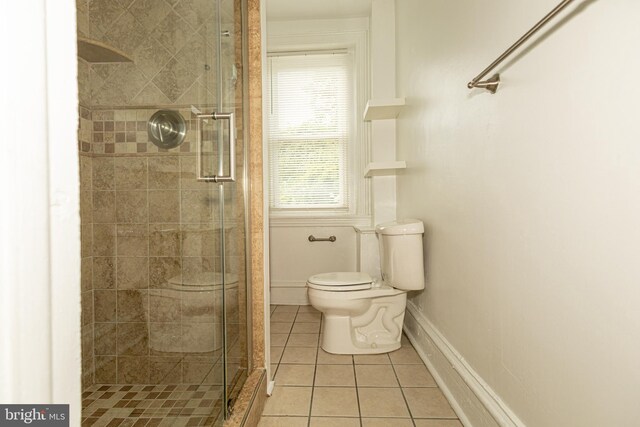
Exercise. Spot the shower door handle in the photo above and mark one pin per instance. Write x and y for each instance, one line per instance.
(231, 117)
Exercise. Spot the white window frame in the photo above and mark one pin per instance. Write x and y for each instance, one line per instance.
(353, 35)
(346, 183)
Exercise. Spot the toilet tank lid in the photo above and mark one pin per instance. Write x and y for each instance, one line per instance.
(340, 279)
(401, 226)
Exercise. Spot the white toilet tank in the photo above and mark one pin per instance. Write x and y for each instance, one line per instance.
(401, 262)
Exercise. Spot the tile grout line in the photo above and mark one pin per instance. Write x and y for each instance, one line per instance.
(285, 343)
(393, 367)
(315, 371)
(355, 380)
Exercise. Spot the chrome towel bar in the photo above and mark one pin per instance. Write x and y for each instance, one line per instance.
(331, 239)
(492, 83)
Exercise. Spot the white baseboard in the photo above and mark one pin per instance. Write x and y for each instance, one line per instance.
(289, 293)
(470, 396)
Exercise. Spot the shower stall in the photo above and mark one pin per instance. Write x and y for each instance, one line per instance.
(163, 209)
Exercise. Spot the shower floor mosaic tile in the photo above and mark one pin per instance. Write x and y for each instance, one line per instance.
(152, 405)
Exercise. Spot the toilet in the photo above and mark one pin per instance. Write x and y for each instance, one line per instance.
(365, 316)
(187, 312)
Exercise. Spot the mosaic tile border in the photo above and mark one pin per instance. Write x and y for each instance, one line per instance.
(125, 132)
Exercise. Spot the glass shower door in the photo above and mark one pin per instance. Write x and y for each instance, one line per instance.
(220, 169)
(164, 284)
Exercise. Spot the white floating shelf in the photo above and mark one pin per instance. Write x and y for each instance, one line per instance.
(381, 109)
(384, 168)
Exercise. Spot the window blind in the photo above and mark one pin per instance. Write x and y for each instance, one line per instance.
(310, 126)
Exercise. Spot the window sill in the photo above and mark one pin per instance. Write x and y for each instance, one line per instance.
(320, 221)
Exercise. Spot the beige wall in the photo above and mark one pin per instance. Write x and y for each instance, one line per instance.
(293, 258)
(531, 200)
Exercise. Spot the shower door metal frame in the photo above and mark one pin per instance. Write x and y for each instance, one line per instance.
(220, 178)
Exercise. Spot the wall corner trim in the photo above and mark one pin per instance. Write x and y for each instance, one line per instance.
(470, 396)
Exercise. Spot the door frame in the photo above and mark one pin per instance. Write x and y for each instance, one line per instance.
(40, 355)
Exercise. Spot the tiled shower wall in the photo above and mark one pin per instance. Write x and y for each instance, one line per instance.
(145, 218)
(171, 43)
(152, 223)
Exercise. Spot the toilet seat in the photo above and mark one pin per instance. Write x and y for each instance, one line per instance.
(332, 295)
(340, 281)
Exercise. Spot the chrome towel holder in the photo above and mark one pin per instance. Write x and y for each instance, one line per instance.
(493, 82)
(331, 239)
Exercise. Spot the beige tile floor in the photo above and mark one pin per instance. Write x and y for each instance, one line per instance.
(318, 389)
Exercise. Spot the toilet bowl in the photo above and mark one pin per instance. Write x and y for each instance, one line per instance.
(186, 314)
(364, 316)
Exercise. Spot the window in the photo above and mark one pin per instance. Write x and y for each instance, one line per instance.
(311, 132)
